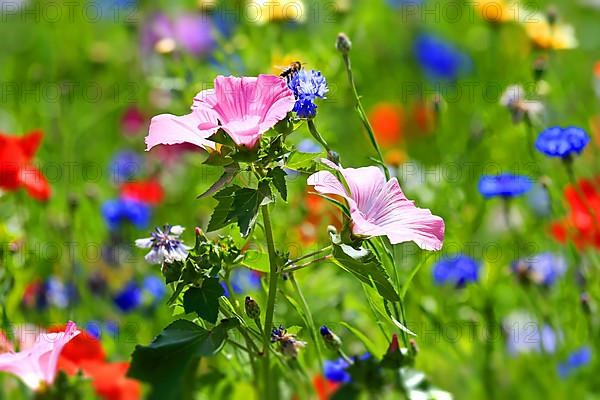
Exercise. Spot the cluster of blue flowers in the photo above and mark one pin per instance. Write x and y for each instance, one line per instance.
(457, 270)
(504, 185)
(336, 370)
(132, 295)
(307, 86)
(115, 212)
(562, 142)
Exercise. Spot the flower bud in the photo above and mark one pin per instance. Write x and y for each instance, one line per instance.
(332, 341)
(343, 43)
(552, 15)
(334, 157)
(252, 308)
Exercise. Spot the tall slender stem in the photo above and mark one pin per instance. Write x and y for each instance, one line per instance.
(273, 279)
(315, 133)
(309, 318)
(362, 114)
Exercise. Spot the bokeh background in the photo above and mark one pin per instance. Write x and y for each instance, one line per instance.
(431, 74)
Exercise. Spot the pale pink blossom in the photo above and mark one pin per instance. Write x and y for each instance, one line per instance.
(379, 208)
(36, 366)
(244, 108)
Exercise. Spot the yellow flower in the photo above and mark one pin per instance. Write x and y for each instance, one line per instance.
(263, 11)
(498, 11)
(551, 37)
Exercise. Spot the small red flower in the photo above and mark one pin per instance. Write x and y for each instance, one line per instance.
(16, 166)
(149, 191)
(582, 224)
(323, 387)
(388, 123)
(133, 120)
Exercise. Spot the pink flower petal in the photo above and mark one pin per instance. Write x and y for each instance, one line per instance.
(379, 208)
(37, 364)
(193, 128)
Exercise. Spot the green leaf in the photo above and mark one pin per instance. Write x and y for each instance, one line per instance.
(219, 218)
(230, 172)
(363, 264)
(165, 363)
(278, 176)
(222, 137)
(301, 161)
(398, 324)
(256, 260)
(244, 209)
(204, 300)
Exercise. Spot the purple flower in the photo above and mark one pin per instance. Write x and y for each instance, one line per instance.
(190, 32)
(543, 269)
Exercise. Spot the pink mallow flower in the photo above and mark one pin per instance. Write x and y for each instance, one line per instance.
(379, 208)
(36, 366)
(244, 108)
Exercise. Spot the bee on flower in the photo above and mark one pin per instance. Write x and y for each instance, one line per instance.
(165, 245)
(289, 345)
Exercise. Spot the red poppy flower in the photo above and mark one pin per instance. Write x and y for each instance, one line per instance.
(582, 224)
(16, 166)
(387, 121)
(323, 387)
(109, 380)
(149, 192)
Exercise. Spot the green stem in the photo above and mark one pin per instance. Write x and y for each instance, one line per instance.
(315, 133)
(309, 319)
(304, 257)
(273, 279)
(307, 264)
(362, 114)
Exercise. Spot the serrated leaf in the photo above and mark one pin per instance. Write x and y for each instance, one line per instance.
(364, 265)
(204, 301)
(219, 218)
(278, 175)
(228, 175)
(165, 362)
(298, 161)
(244, 209)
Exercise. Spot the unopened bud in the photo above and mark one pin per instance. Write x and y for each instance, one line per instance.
(332, 341)
(343, 43)
(539, 67)
(552, 15)
(585, 303)
(332, 230)
(334, 157)
(413, 346)
(252, 308)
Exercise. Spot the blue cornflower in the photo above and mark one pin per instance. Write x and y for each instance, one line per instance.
(457, 270)
(504, 185)
(155, 287)
(117, 211)
(576, 359)
(335, 371)
(543, 269)
(244, 280)
(562, 142)
(124, 166)
(439, 59)
(129, 298)
(164, 244)
(94, 328)
(307, 85)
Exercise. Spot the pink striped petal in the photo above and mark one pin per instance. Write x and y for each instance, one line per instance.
(192, 128)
